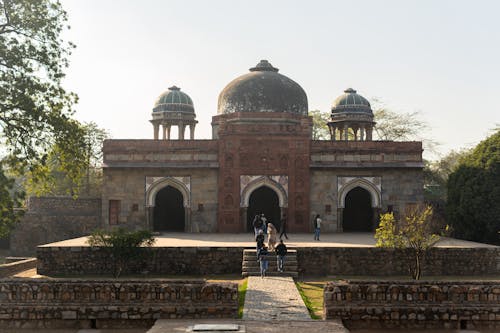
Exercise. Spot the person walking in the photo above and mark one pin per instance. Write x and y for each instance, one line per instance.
(271, 236)
(281, 251)
(283, 227)
(258, 224)
(259, 239)
(317, 227)
(264, 223)
(262, 257)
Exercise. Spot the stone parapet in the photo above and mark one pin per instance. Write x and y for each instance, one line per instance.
(63, 261)
(395, 262)
(13, 267)
(34, 302)
(368, 261)
(413, 304)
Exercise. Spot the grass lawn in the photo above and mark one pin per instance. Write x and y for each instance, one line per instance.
(242, 290)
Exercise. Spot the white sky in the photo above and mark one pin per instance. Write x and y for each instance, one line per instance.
(441, 58)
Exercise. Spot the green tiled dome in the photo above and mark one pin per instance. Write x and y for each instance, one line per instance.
(350, 101)
(174, 100)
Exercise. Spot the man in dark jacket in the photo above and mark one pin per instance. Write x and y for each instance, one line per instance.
(280, 255)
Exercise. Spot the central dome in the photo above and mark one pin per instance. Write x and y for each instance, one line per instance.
(263, 90)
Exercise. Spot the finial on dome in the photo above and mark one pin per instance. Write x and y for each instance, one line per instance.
(350, 91)
(264, 66)
(174, 88)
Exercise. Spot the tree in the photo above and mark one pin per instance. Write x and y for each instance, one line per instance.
(123, 246)
(320, 128)
(474, 193)
(35, 111)
(413, 232)
(9, 199)
(76, 175)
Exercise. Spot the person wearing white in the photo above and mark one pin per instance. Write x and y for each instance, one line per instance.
(317, 227)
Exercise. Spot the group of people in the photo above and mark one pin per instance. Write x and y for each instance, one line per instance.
(261, 228)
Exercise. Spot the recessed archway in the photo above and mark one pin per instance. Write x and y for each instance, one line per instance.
(169, 214)
(358, 212)
(263, 200)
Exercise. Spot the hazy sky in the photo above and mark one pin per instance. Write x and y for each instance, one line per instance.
(441, 58)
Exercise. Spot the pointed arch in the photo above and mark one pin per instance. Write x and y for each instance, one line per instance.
(364, 183)
(264, 181)
(159, 184)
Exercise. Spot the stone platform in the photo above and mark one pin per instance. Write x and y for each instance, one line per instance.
(245, 240)
(213, 254)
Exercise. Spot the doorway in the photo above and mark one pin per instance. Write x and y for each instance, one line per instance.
(358, 212)
(264, 200)
(169, 210)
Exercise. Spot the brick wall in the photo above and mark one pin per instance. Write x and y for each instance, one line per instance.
(416, 304)
(38, 303)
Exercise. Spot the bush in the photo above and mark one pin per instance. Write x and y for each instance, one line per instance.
(473, 206)
(123, 245)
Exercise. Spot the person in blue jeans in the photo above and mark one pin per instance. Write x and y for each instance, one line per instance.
(264, 264)
(280, 255)
(317, 227)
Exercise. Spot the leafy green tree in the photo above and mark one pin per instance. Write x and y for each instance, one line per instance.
(320, 129)
(35, 111)
(123, 245)
(414, 232)
(77, 175)
(9, 200)
(473, 207)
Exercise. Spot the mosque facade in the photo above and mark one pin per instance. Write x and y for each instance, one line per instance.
(261, 159)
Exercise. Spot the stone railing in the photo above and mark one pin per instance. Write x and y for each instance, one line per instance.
(372, 304)
(83, 301)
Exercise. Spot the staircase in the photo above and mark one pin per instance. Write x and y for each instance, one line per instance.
(251, 267)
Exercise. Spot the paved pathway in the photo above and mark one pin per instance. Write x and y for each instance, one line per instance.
(273, 298)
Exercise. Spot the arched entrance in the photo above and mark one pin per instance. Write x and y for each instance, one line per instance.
(358, 212)
(169, 212)
(263, 200)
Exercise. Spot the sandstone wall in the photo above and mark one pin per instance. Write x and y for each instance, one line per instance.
(374, 304)
(400, 187)
(52, 219)
(64, 303)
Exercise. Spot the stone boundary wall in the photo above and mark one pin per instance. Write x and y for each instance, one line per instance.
(12, 268)
(392, 262)
(66, 206)
(311, 261)
(158, 260)
(78, 303)
(52, 219)
(415, 304)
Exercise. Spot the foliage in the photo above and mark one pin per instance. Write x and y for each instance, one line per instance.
(320, 128)
(9, 200)
(473, 207)
(414, 232)
(34, 108)
(398, 126)
(123, 245)
(74, 173)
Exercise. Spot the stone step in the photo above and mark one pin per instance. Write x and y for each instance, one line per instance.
(271, 273)
(269, 256)
(291, 266)
(254, 251)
